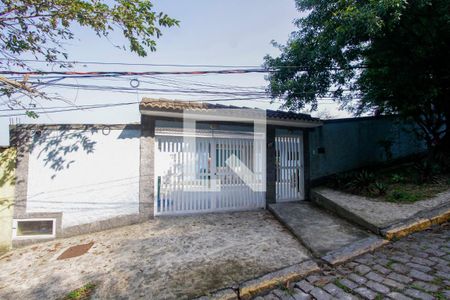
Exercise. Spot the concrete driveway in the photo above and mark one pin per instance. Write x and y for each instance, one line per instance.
(166, 258)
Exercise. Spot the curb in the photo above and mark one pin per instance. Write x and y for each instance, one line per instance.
(419, 222)
(251, 288)
(351, 251)
(402, 229)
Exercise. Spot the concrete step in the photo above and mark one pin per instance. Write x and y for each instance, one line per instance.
(390, 220)
(326, 235)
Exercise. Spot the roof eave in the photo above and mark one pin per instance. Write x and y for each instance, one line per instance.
(271, 121)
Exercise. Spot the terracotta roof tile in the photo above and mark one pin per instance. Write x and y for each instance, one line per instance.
(179, 106)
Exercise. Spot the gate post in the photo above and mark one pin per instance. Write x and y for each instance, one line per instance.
(270, 166)
(147, 168)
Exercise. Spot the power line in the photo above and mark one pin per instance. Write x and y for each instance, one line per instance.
(128, 73)
(75, 62)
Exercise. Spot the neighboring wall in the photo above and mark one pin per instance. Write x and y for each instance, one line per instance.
(346, 144)
(84, 174)
(7, 169)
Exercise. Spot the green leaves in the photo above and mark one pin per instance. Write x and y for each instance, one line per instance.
(388, 56)
(39, 26)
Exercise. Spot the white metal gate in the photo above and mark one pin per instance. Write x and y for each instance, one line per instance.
(289, 168)
(175, 194)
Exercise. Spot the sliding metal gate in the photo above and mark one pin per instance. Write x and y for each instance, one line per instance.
(176, 194)
(289, 168)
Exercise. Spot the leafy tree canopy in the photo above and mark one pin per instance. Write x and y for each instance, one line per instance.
(40, 27)
(374, 56)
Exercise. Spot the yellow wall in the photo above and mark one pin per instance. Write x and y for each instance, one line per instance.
(7, 174)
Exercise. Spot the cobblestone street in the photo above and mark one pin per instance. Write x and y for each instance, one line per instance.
(416, 267)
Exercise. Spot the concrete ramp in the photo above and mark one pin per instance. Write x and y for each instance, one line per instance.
(327, 236)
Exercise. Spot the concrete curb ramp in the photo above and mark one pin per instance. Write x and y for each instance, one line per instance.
(254, 287)
(327, 236)
(351, 251)
(420, 221)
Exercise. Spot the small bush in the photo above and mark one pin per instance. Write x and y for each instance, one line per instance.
(378, 189)
(396, 178)
(398, 195)
(361, 181)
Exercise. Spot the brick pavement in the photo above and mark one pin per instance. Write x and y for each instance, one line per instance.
(416, 267)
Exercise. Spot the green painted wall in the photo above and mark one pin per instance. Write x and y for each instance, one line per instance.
(7, 174)
(347, 144)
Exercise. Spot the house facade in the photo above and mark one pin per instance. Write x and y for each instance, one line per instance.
(182, 158)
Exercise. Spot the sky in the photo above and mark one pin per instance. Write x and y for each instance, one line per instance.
(211, 32)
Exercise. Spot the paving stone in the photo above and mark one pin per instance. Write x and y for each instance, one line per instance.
(343, 270)
(374, 276)
(424, 261)
(426, 286)
(348, 283)
(419, 253)
(362, 269)
(418, 294)
(419, 267)
(366, 259)
(420, 275)
(346, 296)
(439, 261)
(443, 275)
(320, 294)
(299, 295)
(304, 286)
(399, 277)
(381, 269)
(393, 284)
(382, 261)
(398, 296)
(351, 264)
(282, 295)
(313, 278)
(442, 267)
(271, 296)
(435, 252)
(377, 287)
(400, 268)
(356, 278)
(332, 289)
(365, 293)
(404, 258)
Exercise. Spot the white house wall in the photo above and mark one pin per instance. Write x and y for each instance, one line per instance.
(88, 175)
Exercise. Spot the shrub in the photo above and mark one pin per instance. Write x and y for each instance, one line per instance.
(398, 195)
(396, 178)
(361, 181)
(378, 189)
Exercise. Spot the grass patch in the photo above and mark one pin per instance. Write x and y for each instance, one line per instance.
(286, 288)
(437, 281)
(419, 288)
(399, 184)
(389, 264)
(82, 293)
(439, 296)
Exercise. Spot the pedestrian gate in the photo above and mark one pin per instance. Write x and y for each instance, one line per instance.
(289, 168)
